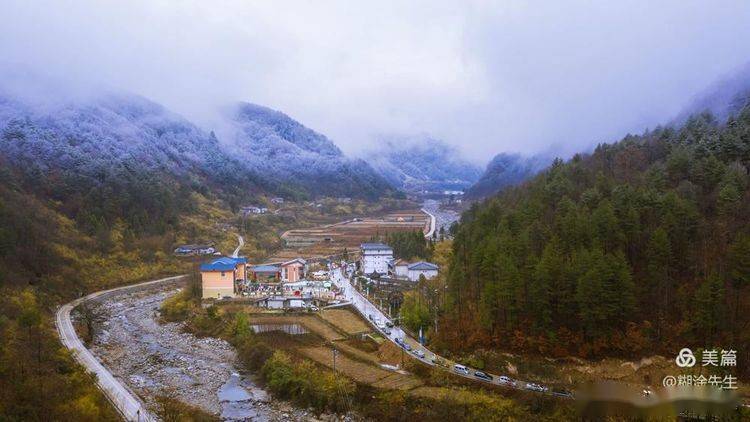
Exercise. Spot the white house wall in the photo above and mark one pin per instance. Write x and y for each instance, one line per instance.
(376, 262)
(428, 274)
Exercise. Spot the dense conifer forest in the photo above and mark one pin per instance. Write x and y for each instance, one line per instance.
(641, 247)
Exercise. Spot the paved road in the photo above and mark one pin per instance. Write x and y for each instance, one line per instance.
(367, 309)
(241, 243)
(432, 224)
(122, 398)
(444, 217)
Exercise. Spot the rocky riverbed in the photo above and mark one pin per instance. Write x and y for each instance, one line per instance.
(153, 359)
(444, 217)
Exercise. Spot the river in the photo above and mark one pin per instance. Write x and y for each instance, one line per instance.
(155, 359)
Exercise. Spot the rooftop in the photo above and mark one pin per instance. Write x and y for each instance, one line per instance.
(221, 264)
(374, 246)
(423, 266)
(300, 260)
(265, 269)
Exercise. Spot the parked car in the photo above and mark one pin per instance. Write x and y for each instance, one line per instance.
(386, 331)
(481, 375)
(535, 387)
(505, 380)
(406, 346)
(559, 392)
(419, 353)
(460, 369)
(389, 324)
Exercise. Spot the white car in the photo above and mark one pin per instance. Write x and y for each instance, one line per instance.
(505, 380)
(458, 368)
(419, 353)
(535, 387)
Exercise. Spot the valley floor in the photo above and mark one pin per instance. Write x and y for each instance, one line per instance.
(156, 359)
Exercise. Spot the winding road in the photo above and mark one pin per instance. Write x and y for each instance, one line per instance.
(371, 312)
(240, 244)
(127, 403)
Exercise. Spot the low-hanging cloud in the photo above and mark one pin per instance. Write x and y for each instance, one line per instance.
(513, 76)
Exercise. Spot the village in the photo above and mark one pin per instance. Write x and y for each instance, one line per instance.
(301, 283)
(337, 291)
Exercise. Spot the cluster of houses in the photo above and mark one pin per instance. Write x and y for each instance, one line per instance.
(230, 277)
(259, 209)
(252, 209)
(291, 284)
(377, 258)
(191, 250)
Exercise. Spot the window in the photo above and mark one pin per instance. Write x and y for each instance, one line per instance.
(222, 274)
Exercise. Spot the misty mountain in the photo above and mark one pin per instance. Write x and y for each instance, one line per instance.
(280, 148)
(110, 136)
(418, 164)
(506, 170)
(724, 98)
(117, 156)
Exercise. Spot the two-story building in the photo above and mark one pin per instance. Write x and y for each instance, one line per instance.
(375, 258)
(294, 270)
(222, 277)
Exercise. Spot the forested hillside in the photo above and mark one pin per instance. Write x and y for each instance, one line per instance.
(96, 192)
(641, 247)
(92, 195)
(304, 162)
(416, 164)
(506, 170)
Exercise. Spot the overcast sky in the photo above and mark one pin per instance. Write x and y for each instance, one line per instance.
(518, 76)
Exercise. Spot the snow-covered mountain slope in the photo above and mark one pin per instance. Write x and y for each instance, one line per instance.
(111, 134)
(282, 149)
(506, 170)
(423, 163)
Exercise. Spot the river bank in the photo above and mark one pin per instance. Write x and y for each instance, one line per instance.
(156, 359)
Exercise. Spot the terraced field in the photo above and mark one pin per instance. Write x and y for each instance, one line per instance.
(358, 358)
(345, 321)
(332, 239)
(362, 372)
(313, 323)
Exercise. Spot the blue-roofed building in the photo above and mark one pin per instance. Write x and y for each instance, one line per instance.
(428, 270)
(223, 277)
(266, 273)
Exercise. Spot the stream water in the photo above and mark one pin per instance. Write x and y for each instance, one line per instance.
(155, 359)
